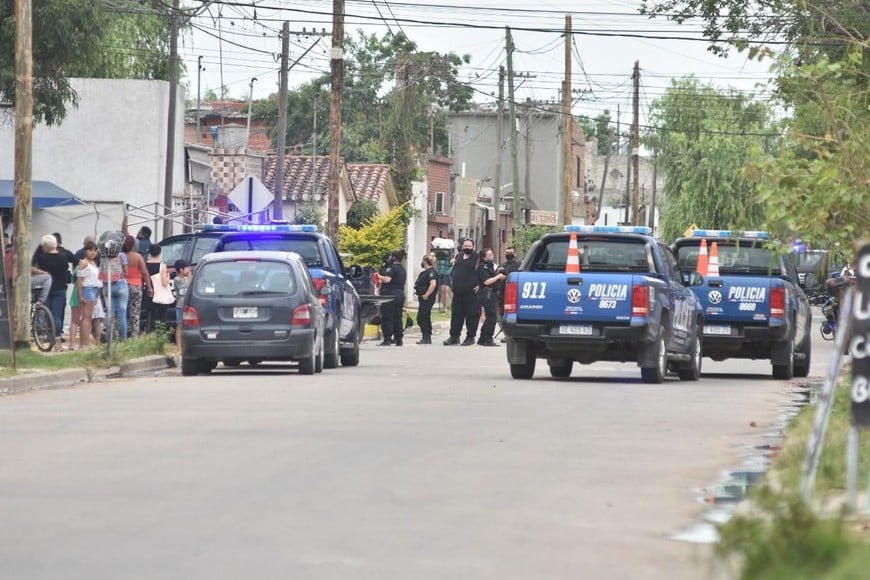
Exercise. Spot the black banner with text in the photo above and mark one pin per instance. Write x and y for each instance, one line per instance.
(859, 344)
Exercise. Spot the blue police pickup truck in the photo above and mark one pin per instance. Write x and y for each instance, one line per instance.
(629, 302)
(342, 305)
(754, 307)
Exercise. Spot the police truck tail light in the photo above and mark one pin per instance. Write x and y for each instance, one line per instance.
(640, 300)
(189, 317)
(301, 316)
(319, 284)
(777, 302)
(510, 298)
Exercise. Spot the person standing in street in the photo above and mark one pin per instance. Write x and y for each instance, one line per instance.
(426, 288)
(465, 306)
(392, 276)
(490, 279)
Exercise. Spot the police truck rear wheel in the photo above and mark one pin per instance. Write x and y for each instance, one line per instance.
(560, 368)
(691, 371)
(656, 374)
(331, 352)
(785, 372)
(524, 370)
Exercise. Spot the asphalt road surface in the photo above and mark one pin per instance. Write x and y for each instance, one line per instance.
(422, 463)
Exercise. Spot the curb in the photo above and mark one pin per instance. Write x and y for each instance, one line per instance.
(44, 380)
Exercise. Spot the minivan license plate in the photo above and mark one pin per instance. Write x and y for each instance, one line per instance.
(244, 312)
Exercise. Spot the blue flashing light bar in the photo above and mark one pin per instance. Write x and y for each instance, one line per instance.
(259, 228)
(642, 230)
(756, 234)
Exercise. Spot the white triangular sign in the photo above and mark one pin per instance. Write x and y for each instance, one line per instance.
(251, 196)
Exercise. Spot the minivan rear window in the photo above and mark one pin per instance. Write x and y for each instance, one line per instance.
(244, 278)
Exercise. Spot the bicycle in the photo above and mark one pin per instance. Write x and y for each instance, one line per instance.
(41, 323)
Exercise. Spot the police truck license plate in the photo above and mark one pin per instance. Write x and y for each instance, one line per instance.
(575, 329)
(244, 312)
(717, 329)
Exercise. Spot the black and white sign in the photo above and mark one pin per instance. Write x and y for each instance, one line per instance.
(859, 344)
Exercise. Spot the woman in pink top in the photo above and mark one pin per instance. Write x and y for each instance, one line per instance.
(137, 278)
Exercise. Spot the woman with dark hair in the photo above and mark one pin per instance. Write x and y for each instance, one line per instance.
(153, 311)
(137, 277)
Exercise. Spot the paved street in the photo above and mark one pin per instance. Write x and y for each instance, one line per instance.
(423, 462)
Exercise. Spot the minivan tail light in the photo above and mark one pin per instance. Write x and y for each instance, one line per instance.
(640, 300)
(301, 316)
(777, 302)
(189, 317)
(510, 298)
(320, 284)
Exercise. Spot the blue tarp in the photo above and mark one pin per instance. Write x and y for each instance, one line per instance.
(45, 194)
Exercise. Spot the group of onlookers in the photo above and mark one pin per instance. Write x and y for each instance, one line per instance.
(132, 280)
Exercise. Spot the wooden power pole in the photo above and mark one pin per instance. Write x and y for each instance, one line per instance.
(278, 203)
(170, 122)
(635, 147)
(567, 131)
(337, 66)
(515, 186)
(496, 190)
(22, 212)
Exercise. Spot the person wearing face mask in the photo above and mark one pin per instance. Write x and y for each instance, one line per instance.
(392, 276)
(465, 307)
(511, 264)
(490, 279)
(426, 288)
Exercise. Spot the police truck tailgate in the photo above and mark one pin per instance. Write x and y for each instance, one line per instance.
(743, 300)
(576, 299)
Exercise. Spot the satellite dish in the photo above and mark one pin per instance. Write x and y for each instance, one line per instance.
(110, 243)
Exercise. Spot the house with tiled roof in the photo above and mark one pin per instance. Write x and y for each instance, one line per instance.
(305, 180)
(373, 181)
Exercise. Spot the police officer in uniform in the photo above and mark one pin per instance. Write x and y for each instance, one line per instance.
(426, 288)
(392, 276)
(490, 279)
(465, 307)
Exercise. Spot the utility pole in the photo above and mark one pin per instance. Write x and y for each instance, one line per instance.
(652, 212)
(278, 203)
(199, 70)
(337, 67)
(567, 131)
(635, 147)
(604, 175)
(22, 212)
(518, 216)
(170, 123)
(496, 192)
(314, 149)
(527, 181)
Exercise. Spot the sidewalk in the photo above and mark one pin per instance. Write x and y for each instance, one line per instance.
(37, 380)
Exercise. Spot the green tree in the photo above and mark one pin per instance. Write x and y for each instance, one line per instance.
(706, 136)
(82, 38)
(360, 212)
(379, 235)
(818, 187)
(310, 213)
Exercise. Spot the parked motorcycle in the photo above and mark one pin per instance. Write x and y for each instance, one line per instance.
(835, 288)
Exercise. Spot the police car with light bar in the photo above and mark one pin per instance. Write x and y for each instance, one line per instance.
(753, 304)
(602, 293)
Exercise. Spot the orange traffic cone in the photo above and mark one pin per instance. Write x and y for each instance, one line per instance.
(713, 268)
(702, 259)
(572, 265)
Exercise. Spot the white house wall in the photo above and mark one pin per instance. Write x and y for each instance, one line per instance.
(109, 149)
